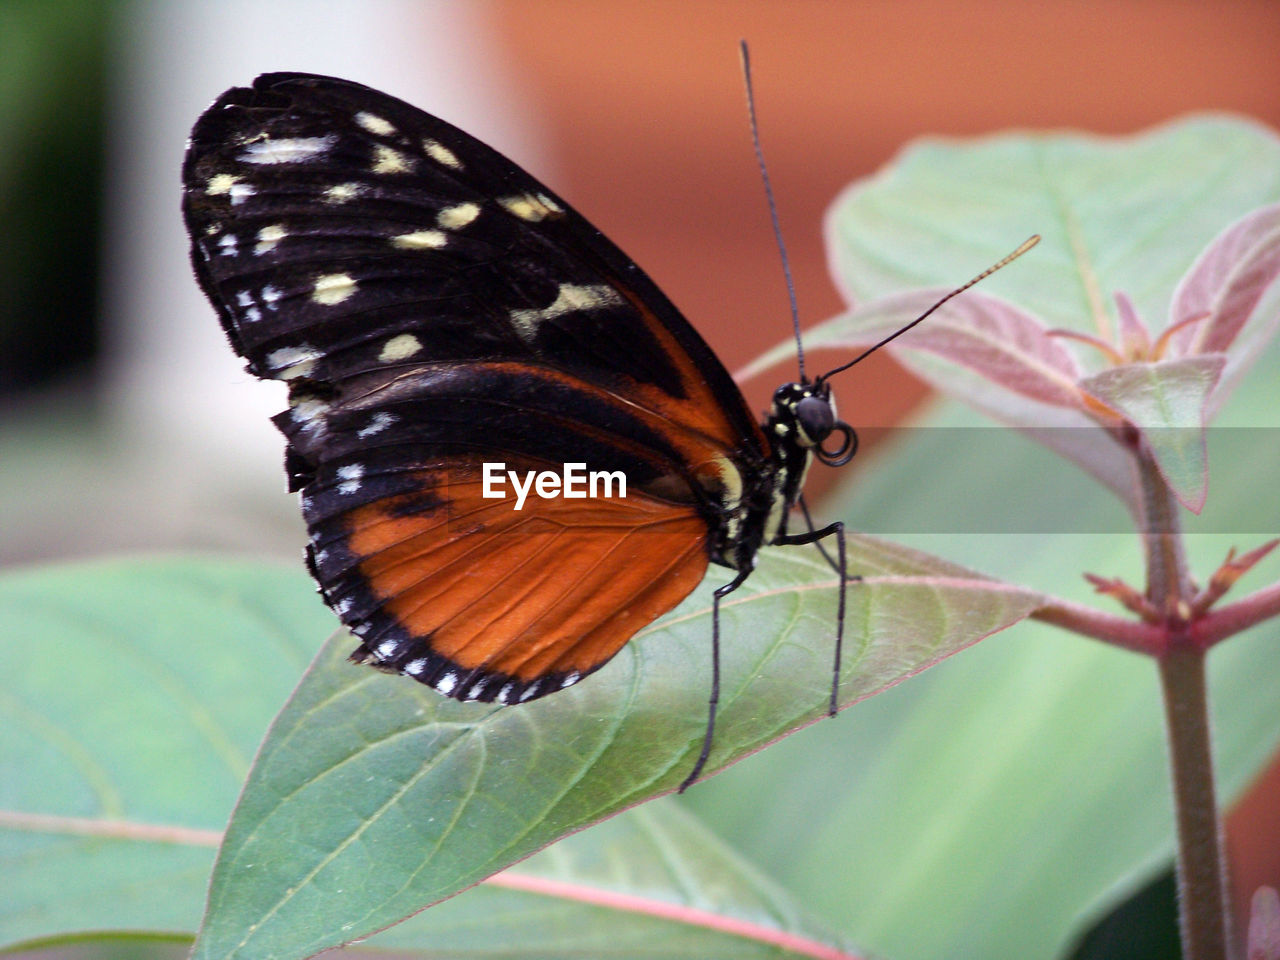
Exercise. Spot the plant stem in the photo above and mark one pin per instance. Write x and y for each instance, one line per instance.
(1202, 899)
(1203, 916)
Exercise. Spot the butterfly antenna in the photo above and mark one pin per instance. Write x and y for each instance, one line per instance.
(1026, 245)
(773, 206)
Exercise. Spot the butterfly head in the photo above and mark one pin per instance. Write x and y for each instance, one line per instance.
(803, 415)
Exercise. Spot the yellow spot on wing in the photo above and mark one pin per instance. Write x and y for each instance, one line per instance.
(531, 207)
(375, 124)
(438, 152)
(220, 183)
(458, 216)
(571, 298)
(420, 240)
(400, 348)
(333, 288)
(269, 236)
(386, 160)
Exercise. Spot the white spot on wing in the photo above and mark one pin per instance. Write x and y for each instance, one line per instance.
(240, 192)
(504, 695)
(457, 216)
(269, 296)
(227, 244)
(288, 150)
(447, 683)
(438, 152)
(291, 362)
(375, 124)
(420, 240)
(415, 667)
(377, 423)
(570, 680)
(342, 192)
(387, 648)
(307, 412)
(333, 288)
(350, 474)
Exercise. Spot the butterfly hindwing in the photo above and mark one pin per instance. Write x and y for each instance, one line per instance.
(434, 308)
(485, 601)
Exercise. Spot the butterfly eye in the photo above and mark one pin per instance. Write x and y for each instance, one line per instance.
(816, 419)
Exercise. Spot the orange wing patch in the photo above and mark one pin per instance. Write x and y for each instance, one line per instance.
(498, 604)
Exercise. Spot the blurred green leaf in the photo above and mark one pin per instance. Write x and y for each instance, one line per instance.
(602, 894)
(135, 693)
(1124, 214)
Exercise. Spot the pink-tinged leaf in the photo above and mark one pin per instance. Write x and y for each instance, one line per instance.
(976, 332)
(1005, 365)
(1133, 332)
(1226, 282)
(1167, 402)
(1264, 925)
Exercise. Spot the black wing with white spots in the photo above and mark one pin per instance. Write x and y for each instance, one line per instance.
(341, 231)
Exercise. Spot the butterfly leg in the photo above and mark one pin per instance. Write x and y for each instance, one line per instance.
(709, 736)
(808, 522)
(815, 537)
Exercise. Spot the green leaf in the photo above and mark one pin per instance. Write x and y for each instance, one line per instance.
(1118, 216)
(135, 695)
(1166, 402)
(374, 797)
(1124, 214)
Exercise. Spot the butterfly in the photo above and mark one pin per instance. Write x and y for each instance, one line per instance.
(450, 329)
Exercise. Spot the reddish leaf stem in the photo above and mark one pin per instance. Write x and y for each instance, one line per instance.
(1131, 634)
(1222, 622)
(674, 912)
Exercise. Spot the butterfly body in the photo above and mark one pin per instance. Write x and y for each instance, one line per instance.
(433, 309)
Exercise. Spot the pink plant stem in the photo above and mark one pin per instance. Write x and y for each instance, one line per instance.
(1223, 622)
(1203, 911)
(1132, 635)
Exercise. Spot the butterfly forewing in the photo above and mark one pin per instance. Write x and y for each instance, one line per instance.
(434, 308)
(342, 230)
